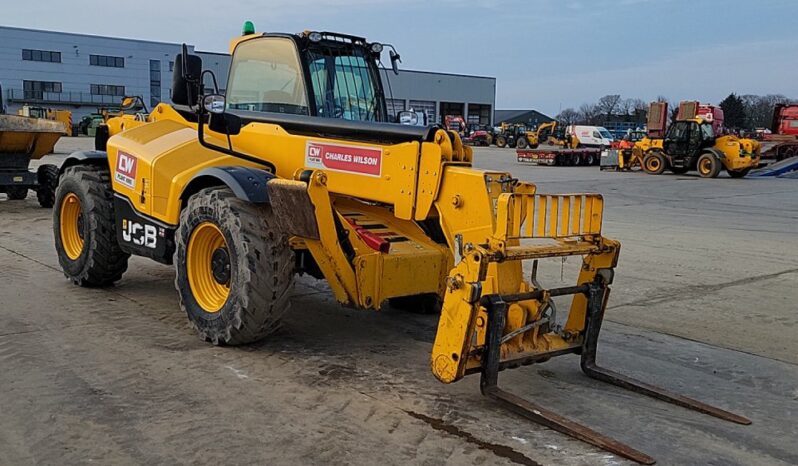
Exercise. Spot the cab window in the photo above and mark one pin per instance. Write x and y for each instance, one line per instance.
(679, 131)
(266, 76)
(707, 132)
(342, 85)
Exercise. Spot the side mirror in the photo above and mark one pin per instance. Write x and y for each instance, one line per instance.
(214, 103)
(407, 118)
(225, 123)
(395, 60)
(186, 79)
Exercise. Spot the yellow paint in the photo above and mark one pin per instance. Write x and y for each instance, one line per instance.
(209, 294)
(69, 230)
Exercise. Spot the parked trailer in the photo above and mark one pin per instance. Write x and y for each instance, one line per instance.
(560, 157)
(782, 142)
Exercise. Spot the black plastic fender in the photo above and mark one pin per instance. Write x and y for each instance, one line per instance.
(84, 156)
(717, 153)
(248, 184)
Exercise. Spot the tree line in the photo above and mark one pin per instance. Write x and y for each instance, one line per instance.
(743, 112)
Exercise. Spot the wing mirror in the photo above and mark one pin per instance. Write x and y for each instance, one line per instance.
(220, 120)
(395, 60)
(214, 103)
(187, 78)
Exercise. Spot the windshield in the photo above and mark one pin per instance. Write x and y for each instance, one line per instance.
(343, 85)
(605, 134)
(266, 76)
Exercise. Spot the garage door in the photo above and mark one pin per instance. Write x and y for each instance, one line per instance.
(427, 107)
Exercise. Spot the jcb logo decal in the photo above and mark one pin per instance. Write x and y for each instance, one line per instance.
(126, 166)
(138, 234)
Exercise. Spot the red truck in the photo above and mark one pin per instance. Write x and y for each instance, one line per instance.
(782, 142)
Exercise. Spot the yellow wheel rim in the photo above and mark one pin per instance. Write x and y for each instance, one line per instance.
(71, 226)
(653, 164)
(705, 166)
(208, 267)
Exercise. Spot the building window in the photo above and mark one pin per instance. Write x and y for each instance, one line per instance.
(155, 82)
(107, 89)
(37, 89)
(171, 66)
(105, 60)
(41, 55)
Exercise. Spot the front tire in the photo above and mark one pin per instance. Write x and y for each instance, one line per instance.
(654, 163)
(501, 141)
(708, 165)
(84, 227)
(522, 143)
(48, 182)
(234, 268)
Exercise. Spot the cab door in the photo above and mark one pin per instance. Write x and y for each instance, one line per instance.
(677, 141)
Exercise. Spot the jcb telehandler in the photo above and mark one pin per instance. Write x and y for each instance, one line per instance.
(691, 143)
(296, 170)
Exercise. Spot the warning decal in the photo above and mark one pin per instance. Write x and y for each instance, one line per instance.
(350, 159)
(125, 172)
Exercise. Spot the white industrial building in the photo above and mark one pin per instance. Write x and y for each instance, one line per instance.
(83, 72)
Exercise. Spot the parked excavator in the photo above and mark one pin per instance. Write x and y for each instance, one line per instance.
(296, 170)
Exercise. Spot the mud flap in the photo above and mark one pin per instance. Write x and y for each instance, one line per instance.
(293, 208)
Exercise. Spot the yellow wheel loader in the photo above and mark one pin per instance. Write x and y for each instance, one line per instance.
(296, 170)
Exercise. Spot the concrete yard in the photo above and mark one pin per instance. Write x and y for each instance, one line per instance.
(705, 302)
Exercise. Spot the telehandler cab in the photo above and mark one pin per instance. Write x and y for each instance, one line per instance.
(296, 170)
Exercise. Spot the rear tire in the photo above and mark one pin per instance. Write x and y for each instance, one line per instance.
(84, 227)
(16, 193)
(654, 163)
(48, 183)
(241, 297)
(708, 165)
(501, 141)
(738, 173)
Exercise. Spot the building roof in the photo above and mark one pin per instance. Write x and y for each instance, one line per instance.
(527, 117)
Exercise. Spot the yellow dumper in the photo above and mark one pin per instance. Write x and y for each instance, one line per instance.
(23, 139)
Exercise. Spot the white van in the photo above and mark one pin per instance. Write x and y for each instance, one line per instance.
(590, 136)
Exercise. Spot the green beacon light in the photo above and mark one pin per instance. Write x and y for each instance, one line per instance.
(249, 28)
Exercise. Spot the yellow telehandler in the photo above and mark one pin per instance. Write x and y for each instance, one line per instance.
(295, 169)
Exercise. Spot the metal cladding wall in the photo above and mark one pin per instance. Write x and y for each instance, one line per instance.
(78, 77)
(75, 73)
(423, 86)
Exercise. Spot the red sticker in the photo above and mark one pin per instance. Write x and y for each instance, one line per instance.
(126, 170)
(350, 159)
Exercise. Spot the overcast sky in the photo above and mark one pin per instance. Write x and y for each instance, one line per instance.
(545, 54)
